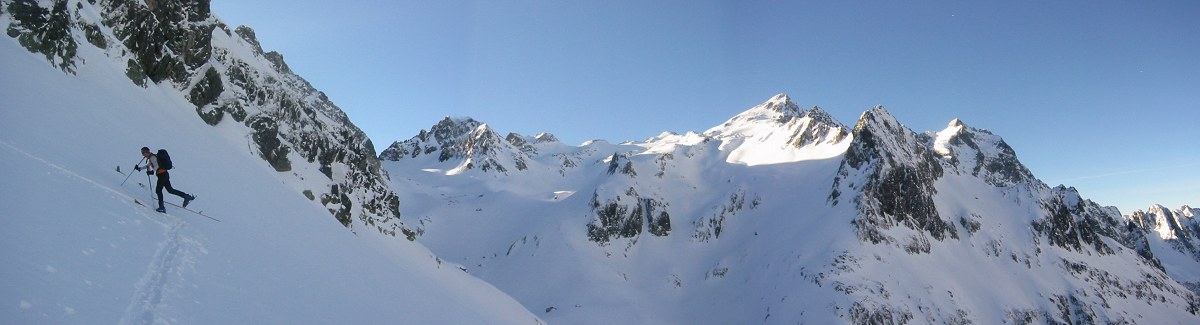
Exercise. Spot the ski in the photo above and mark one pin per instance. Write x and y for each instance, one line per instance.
(200, 213)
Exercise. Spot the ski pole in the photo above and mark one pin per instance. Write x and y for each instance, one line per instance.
(148, 187)
(131, 173)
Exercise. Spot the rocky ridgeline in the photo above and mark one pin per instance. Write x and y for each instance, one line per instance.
(468, 144)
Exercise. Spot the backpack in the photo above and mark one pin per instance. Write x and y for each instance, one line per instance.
(164, 159)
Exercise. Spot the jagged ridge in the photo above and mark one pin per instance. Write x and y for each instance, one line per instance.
(468, 144)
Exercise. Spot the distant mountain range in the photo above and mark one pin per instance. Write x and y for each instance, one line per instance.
(784, 215)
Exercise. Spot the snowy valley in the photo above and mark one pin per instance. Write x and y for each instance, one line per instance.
(779, 215)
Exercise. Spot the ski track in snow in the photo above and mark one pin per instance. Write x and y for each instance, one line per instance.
(173, 254)
(168, 260)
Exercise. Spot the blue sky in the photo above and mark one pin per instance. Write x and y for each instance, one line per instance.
(1100, 95)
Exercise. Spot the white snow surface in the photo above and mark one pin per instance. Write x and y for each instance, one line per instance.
(78, 249)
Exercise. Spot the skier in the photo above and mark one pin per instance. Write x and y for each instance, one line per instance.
(164, 180)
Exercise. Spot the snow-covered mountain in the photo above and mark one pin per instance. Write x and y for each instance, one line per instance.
(85, 84)
(778, 131)
(1173, 236)
(783, 215)
(467, 144)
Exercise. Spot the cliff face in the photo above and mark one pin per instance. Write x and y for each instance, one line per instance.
(895, 173)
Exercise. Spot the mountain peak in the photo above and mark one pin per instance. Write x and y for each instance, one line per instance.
(893, 174)
(817, 114)
(980, 153)
(775, 111)
(877, 115)
(457, 120)
(1070, 196)
(247, 34)
(778, 131)
(783, 104)
(464, 143)
(449, 128)
(957, 122)
(545, 137)
(1177, 225)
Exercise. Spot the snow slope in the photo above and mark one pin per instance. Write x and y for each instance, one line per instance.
(77, 249)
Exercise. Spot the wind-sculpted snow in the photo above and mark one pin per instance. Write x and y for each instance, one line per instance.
(782, 215)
